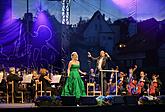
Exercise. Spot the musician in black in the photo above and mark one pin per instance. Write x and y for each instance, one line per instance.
(31, 86)
(92, 76)
(46, 81)
(14, 77)
(3, 82)
(101, 64)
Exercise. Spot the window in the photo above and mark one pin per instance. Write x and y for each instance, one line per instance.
(95, 27)
(110, 38)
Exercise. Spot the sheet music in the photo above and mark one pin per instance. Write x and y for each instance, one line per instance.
(1, 76)
(56, 79)
(27, 78)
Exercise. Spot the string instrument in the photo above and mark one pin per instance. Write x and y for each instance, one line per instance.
(132, 86)
(121, 81)
(112, 86)
(153, 86)
(139, 87)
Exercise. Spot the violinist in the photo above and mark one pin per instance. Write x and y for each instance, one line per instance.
(112, 84)
(132, 80)
(122, 83)
(141, 85)
(31, 86)
(155, 85)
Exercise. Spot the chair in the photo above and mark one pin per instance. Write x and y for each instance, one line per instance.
(39, 90)
(3, 90)
(11, 84)
(93, 91)
(2, 95)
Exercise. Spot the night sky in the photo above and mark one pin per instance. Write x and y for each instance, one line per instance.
(114, 9)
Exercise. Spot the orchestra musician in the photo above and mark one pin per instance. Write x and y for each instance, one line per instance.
(141, 87)
(132, 80)
(121, 84)
(46, 81)
(14, 77)
(155, 85)
(112, 84)
(31, 86)
(92, 76)
(3, 82)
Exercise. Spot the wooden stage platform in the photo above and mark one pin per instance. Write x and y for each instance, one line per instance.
(85, 108)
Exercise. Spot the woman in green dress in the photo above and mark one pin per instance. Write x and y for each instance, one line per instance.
(74, 85)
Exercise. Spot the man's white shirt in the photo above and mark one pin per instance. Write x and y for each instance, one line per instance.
(100, 63)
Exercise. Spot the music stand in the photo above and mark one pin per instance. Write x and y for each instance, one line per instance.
(115, 71)
(27, 78)
(56, 79)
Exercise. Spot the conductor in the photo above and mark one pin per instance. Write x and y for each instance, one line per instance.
(101, 64)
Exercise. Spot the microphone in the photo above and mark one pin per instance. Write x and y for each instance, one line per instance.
(62, 60)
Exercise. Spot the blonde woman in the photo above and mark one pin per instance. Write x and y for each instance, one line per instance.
(74, 85)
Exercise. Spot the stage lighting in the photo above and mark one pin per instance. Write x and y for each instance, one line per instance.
(122, 45)
(54, 0)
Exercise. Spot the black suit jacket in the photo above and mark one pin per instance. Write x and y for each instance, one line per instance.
(16, 79)
(103, 66)
(104, 62)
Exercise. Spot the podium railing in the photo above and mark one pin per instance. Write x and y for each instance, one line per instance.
(102, 71)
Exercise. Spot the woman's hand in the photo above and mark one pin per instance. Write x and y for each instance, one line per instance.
(84, 73)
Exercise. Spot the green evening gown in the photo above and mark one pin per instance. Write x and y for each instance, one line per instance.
(74, 85)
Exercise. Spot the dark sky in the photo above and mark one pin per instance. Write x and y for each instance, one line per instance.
(114, 9)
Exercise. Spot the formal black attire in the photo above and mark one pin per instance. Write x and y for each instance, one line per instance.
(103, 66)
(16, 79)
(3, 86)
(46, 85)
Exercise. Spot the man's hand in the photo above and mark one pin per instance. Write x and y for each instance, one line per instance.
(89, 54)
(106, 54)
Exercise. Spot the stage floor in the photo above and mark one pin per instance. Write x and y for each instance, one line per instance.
(26, 107)
(18, 105)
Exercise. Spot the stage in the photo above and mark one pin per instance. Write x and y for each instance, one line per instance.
(85, 108)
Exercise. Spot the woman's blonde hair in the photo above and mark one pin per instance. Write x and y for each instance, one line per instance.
(74, 53)
(12, 70)
(43, 71)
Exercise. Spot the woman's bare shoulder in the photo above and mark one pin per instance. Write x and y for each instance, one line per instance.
(70, 62)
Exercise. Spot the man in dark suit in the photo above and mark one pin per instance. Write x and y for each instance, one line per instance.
(101, 65)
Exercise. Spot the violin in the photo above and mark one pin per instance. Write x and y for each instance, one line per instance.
(140, 85)
(153, 86)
